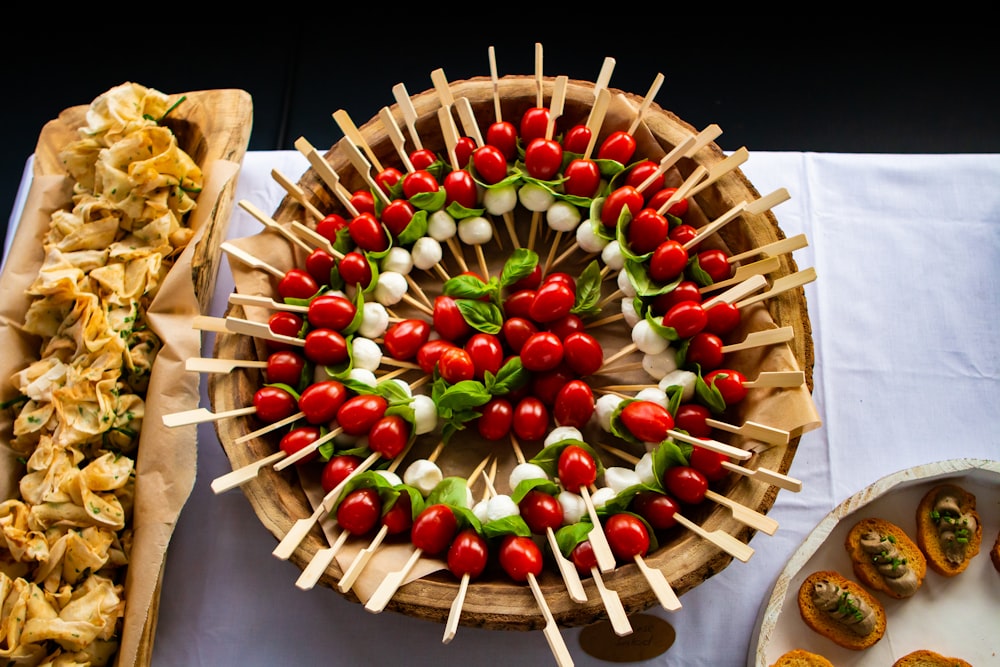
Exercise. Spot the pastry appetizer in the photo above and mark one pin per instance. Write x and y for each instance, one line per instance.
(949, 531)
(841, 610)
(925, 658)
(885, 558)
(798, 657)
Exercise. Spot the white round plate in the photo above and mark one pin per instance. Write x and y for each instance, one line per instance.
(954, 616)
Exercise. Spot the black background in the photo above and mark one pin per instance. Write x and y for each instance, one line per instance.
(771, 86)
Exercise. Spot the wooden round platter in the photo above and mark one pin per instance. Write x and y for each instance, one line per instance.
(685, 558)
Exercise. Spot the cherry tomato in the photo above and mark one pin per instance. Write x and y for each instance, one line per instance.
(583, 353)
(355, 269)
(540, 511)
(566, 325)
(517, 330)
(503, 135)
(542, 351)
(546, 385)
(729, 382)
(627, 536)
(463, 151)
(468, 554)
(642, 171)
(576, 468)
(320, 401)
(520, 557)
(387, 178)
(430, 352)
(448, 319)
(297, 284)
(543, 158)
(534, 124)
(455, 365)
(367, 232)
(685, 483)
(518, 303)
(331, 311)
(686, 290)
(359, 413)
(723, 318)
(677, 209)
(668, 261)
(405, 338)
(531, 419)
(618, 146)
(434, 529)
(418, 181)
(647, 231)
(624, 197)
(399, 516)
(576, 139)
(691, 417)
(683, 234)
(715, 263)
(647, 421)
(337, 469)
(397, 215)
(490, 164)
(326, 347)
(496, 419)
(686, 318)
(359, 511)
(583, 177)
(284, 323)
(273, 404)
(553, 300)
(285, 367)
(297, 439)
(709, 463)
(705, 349)
(330, 225)
(363, 201)
(389, 436)
(561, 277)
(657, 508)
(319, 264)
(422, 158)
(530, 281)
(459, 186)
(486, 353)
(574, 404)
(583, 557)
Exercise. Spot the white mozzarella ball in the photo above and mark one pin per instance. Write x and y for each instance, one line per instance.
(498, 201)
(425, 414)
(658, 365)
(587, 239)
(560, 433)
(644, 469)
(612, 256)
(628, 310)
(625, 284)
(605, 407)
(603, 496)
(480, 508)
(366, 353)
(374, 320)
(620, 478)
(680, 378)
(441, 226)
(423, 475)
(390, 288)
(523, 471)
(364, 376)
(562, 216)
(574, 507)
(476, 230)
(390, 476)
(647, 339)
(653, 395)
(398, 259)
(403, 385)
(535, 198)
(426, 252)
(500, 507)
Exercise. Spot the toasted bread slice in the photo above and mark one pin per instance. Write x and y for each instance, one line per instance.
(801, 658)
(949, 531)
(925, 658)
(850, 616)
(995, 553)
(885, 558)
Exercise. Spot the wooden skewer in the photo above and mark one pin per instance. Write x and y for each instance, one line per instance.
(250, 260)
(697, 174)
(319, 562)
(203, 415)
(760, 267)
(556, 104)
(242, 475)
(768, 202)
(409, 113)
(209, 323)
(604, 76)
(364, 168)
(314, 238)
(214, 365)
(773, 249)
(765, 475)
(713, 445)
(495, 81)
(753, 431)
(657, 581)
(297, 193)
(705, 137)
(350, 130)
(719, 538)
(667, 161)
(326, 174)
(628, 349)
(539, 96)
(720, 169)
(395, 136)
(468, 120)
(259, 330)
(646, 102)
(738, 291)
(782, 284)
(716, 224)
(744, 514)
(272, 224)
(551, 630)
(612, 604)
(598, 540)
(265, 302)
(273, 426)
(596, 119)
(761, 338)
(777, 379)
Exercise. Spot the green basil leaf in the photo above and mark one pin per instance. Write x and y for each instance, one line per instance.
(588, 290)
(466, 287)
(509, 525)
(415, 229)
(520, 264)
(480, 315)
(543, 485)
(429, 201)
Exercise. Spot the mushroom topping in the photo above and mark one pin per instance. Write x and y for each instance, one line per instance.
(848, 610)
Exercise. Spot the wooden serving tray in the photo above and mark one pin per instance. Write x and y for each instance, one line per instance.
(495, 602)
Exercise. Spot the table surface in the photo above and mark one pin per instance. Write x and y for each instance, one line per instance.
(904, 322)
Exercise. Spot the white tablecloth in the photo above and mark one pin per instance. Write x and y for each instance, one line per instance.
(906, 249)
